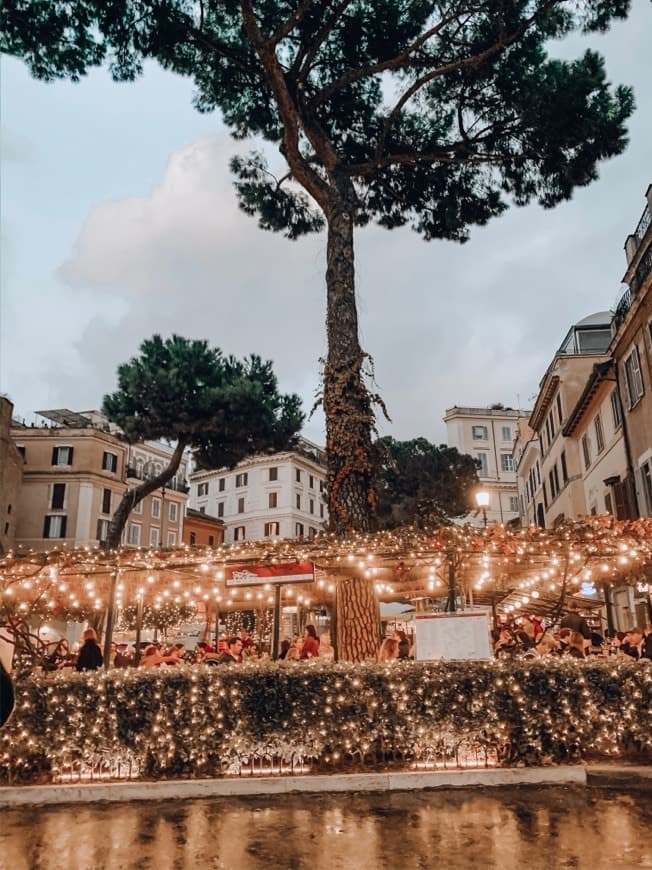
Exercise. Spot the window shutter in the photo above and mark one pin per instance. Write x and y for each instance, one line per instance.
(70, 452)
(63, 526)
(46, 528)
(55, 451)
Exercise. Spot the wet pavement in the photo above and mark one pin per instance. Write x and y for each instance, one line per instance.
(526, 828)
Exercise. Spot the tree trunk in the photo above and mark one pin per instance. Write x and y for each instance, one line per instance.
(358, 620)
(347, 403)
(133, 496)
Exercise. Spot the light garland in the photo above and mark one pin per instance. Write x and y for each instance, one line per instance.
(183, 721)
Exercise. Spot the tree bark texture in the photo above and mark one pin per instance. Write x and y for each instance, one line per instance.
(358, 620)
(133, 496)
(347, 403)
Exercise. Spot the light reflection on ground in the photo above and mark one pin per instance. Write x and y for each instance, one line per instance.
(524, 828)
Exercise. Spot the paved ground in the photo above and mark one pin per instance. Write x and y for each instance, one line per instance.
(545, 828)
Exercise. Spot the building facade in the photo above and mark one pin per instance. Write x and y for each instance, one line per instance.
(631, 350)
(11, 477)
(202, 530)
(76, 470)
(488, 434)
(267, 496)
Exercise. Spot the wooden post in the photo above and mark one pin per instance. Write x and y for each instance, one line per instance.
(451, 602)
(110, 617)
(217, 626)
(139, 625)
(276, 633)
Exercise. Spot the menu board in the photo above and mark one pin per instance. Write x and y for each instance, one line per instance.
(462, 635)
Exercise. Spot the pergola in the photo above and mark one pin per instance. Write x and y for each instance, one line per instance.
(530, 570)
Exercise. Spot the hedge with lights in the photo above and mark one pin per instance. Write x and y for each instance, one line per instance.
(203, 721)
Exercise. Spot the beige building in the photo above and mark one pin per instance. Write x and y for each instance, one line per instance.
(527, 465)
(556, 490)
(11, 477)
(488, 434)
(76, 470)
(631, 349)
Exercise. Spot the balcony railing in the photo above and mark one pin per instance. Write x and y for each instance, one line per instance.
(174, 485)
(643, 224)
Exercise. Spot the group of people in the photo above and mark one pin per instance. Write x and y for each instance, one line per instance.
(395, 647)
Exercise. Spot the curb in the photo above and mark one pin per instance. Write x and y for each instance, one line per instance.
(15, 796)
(612, 776)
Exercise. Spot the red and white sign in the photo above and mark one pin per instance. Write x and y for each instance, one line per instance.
(258, 575)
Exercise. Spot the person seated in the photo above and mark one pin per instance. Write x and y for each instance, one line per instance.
(90, 656)
(326, 650)
(547, 645)
(153, 658)
(632, 644)
(388, 651)
(57, 658)
(310, 648)
(294, 653)
(403, 644)
(233, 653)
(504, 643)
(285, 646)
(576, 646)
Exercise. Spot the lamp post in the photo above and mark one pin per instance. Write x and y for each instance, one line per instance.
(482, 501)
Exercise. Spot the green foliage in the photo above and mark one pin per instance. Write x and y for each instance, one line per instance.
(224, 408)
(422, 484)
(438, 112)
(503, 712)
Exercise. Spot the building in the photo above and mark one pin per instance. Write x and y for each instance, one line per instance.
(202, 530)
(11, 477)
(488, 434)
(76, 470)
(553, 489)
(631, 350)
(266, 496)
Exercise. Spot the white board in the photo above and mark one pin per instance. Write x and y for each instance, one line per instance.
(452, 635)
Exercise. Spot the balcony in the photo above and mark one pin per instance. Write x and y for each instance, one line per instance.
(175, 485)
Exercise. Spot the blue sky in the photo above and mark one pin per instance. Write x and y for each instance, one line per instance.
(118, 221)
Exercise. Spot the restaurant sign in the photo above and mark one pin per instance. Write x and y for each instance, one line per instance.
(259, 575)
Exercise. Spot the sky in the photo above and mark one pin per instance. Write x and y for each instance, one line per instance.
(119, 220)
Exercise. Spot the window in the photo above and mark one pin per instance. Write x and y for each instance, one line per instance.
(138, 508)
(173, 511)
(221, 484)
(133, 534)
(273, 473)
(322, 486)
(202, 509)
(58, 496)
(506, 462)
(220, 508)
(311, 532)
(311, 481)
(479, 433)
(481, 459)
(633, 378)
(211, 540)
(551, 481)
(615, 410)
(239, 533)
(513, 503)
(555, 475)
(545, 495)
(21, 449)
(646, 474)
(241, 479)
(154, 537)
(193, 539)
(298, 530)
(538, 470)
(102, 530)
(272, 529)
(55, 526)
(559, 414)
(564, 468)
(321, 511)
(297, 475)
(106, 501)
(156, 508)
(62, 456)
(109, 462)
(241, 505)
(272, 499)
(172, 539)
(599, 434)
(298, 501)
(586, 450)
(507, 433)
(608, 504)
(202, 489)
(311, 506)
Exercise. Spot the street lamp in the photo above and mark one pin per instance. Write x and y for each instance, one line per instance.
(482, 501)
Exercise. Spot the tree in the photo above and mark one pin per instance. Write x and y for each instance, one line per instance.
(433, 114)
(183, 391)
(424, 484)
